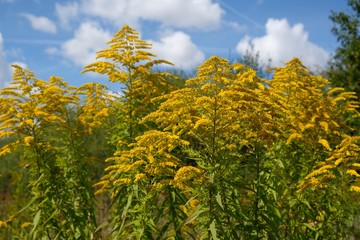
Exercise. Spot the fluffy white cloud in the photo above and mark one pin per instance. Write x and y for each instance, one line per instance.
(282, 42)
(66, 12)
(199, 14)
(81, 49)
(5, 68)
(5, 71)
(178, 49)
(40, 23)
(236, 26)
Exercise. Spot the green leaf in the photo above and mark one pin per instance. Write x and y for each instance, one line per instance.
(277, 212)
(163, 230)
(280, 163)
(309, 226)
(193, 216)
(36, 220)
(218, 199)
(213, 230)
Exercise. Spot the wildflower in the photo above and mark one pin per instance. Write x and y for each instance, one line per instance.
(5, 150)
(139, 176)
(3, 224)
(294, 136)
(325, 143)
(352, 172)
(355, 189)
(28, 140)
(26, 224)
(202, 122)
(184, 174)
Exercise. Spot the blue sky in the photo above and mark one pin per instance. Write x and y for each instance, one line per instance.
(60, 37)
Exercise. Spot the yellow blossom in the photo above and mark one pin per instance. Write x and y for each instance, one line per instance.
(26, 224)
(139, 177)
(294, 136)
(5, 150)
(202, 122)
(352, 172)
(28, 140)
(184, 174)
(325, 143)
(355, 189)
(325, 125)
(122, 181)
(3, 224)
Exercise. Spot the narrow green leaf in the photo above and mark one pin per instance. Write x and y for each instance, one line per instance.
(218, 199)
(193, 216)
(277, 212)
(213, 230)
(280, 163)
(309, 226)
(36, 220)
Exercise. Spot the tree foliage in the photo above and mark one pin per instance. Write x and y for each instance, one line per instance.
(345, 67)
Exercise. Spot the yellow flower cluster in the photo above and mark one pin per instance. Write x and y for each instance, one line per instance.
(3, 224)
(184, 174)
(95, 110)
(347, 154)
(149, 156)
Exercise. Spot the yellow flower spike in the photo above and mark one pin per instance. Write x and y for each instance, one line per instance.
(26, 224)
(3, 224)
(28, 140)
(352, 172)
(356, 165)
(194, 203)
(355, 189)
(184, 174)
(120, 181)
(325, 143)
(202, 122)
(5, 150)
(294, 136)
(320, 171)
(139, 177)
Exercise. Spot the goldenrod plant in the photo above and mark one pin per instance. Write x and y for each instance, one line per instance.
(41, 117)
(128, 62)
(225, 155)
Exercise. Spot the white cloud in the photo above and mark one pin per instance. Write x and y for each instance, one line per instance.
(5, 71)
(15, 53)
(282, 42)
(81, 49)
(66, 12)
(40, 23)
(236, 26)
(178, 49)
(52, 50)
(5, 68)
(199, 14)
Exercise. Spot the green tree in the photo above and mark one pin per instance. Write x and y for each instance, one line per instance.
(345, 67)
(251, 59)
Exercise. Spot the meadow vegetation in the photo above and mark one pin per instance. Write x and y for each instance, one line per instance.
(225, 154)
